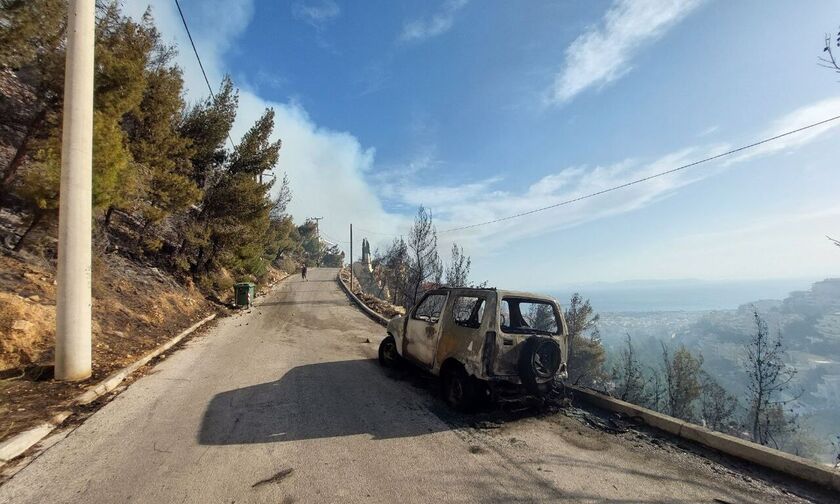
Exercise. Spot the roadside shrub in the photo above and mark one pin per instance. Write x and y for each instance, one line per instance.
(288, 265)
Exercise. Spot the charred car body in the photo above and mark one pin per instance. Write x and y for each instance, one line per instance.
(481, 342)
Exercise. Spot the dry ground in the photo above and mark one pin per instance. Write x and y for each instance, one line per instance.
(135, 309)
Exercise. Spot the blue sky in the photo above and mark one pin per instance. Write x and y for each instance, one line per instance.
(483, 109)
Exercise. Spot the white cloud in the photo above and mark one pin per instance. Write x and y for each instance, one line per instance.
(317, 15)
(496, 197)
(602, 54)
(440, 23)
(326, 168)
(790, 245)
(709, 131)
(800, 117)
(762, 225)
(490, 199)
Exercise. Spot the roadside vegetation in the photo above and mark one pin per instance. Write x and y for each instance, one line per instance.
(180, 212)
(186, 198)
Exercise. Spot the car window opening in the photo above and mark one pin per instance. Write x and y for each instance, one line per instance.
(468, 311)
(528, 316)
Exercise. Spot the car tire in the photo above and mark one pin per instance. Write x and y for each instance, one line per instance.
(388, 355)
(539, 360)
(458, 388)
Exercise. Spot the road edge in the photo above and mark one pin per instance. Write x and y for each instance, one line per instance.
(367, 310)
(20, 443)
(764, 456)
(770, 458)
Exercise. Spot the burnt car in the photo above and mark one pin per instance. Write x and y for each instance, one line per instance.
(481, 342)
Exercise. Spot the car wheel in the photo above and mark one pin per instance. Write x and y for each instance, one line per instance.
(388, 355)
(458, 388)
(539, 361)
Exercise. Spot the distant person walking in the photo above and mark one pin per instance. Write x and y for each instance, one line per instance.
(303, 271)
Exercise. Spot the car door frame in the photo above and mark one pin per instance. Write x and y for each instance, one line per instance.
(430, 342)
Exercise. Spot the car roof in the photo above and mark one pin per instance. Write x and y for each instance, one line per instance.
(501, 292)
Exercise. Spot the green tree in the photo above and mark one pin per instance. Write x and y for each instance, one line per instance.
(159, 148)
(628, 376)
(122, 49)
(39, 190)
(333, 257)
(256, 153)
(586, 353)
(682, 381)
(237, 208)
(207, 126)
(32, 48)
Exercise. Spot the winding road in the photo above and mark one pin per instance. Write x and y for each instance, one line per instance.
(286, 403)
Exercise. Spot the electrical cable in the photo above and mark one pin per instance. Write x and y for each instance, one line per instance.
(200, 65)
(644, 179)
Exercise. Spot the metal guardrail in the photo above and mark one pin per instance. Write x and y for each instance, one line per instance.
(379, 319)
(746, 450)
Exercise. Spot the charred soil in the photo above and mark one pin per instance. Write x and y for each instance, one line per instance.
(135, 309)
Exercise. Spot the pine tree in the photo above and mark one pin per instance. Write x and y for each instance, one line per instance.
(256, 153)
(682, 381)
(395, 265)
(768, 376)
(458, 272)
(586, 353)
(629, 378)
(717, 406)
(424, 266)
(123, 50)
(32, 48)
(159, 148)
(207, 125)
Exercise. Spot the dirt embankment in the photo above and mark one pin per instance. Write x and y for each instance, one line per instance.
(135, 309)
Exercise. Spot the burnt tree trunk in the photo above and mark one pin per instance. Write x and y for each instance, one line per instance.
(36, 219)
(108, 215)
(23, 148)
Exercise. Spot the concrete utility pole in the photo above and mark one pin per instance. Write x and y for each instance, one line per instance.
(317, 226)
(73, 305)
(351, 257)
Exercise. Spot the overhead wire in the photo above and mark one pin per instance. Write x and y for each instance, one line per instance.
(200, 64)
(644, 179)
(330, 238)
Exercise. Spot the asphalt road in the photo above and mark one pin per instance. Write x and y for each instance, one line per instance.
(286, 404)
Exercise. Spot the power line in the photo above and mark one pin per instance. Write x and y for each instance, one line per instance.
(200, 65)
(644, 179)
(330, 238)
(368, 231)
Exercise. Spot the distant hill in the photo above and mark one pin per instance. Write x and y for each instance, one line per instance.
(680, 295)
(809, 322)
(808, 319)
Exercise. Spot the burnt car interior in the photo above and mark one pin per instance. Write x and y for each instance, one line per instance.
(468, 311)
(430, 308)
(538, 317)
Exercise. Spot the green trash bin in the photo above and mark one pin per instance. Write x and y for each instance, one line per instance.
(243, 294)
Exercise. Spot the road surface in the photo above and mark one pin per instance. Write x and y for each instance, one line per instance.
(286, 404)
